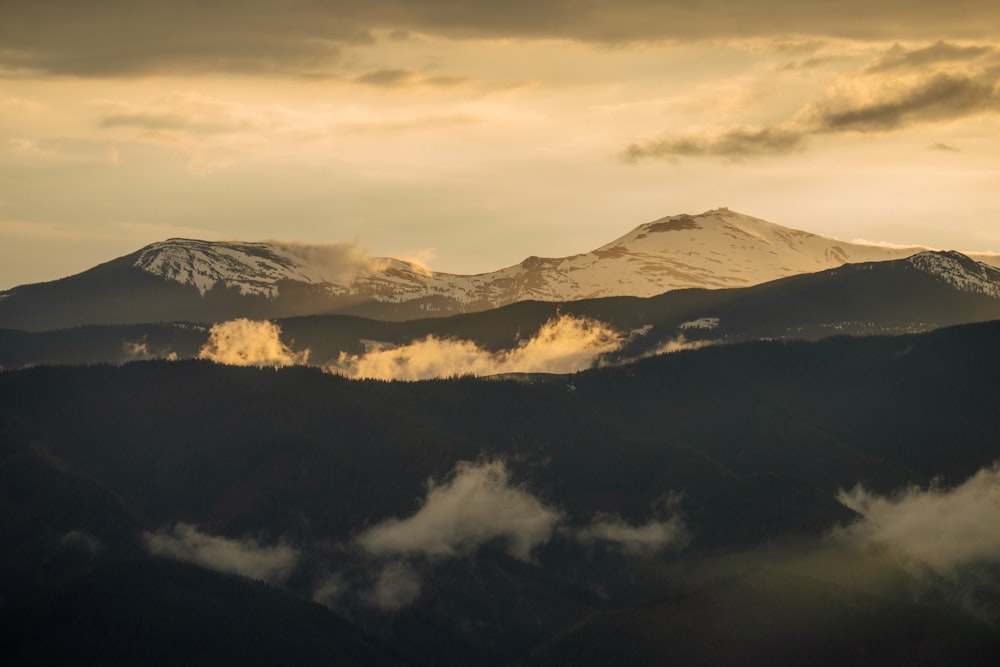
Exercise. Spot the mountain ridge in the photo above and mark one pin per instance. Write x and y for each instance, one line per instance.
(188, 279)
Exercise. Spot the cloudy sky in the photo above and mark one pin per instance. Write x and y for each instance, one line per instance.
(469, 134)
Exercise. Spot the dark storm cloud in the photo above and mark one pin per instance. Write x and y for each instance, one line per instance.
(123, 37)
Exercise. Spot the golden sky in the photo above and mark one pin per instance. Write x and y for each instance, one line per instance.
(468, 135)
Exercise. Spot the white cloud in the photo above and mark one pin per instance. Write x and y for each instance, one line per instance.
(564, 345)
(645, 540)
(398, 585)
(244, 557)
(935, 528)
(477, 505)
(244, 342)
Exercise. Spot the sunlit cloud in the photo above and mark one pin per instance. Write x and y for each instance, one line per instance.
(244, 342)
(901, 88)
(245, 557)
(563, 345)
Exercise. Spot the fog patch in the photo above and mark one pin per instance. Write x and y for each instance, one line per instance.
(83, 540)
(398, 585)
(140, 350)
(680, 343)
(244, 342)
(245, 557)
(563, 345)
(935, 529)
(645, 540)
(477, 505)
(329, 589)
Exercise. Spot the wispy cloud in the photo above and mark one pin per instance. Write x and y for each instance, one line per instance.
(643, 540)
(402, 77)
(901, 88)
(245, 557)
(738, 142)
(140, 349)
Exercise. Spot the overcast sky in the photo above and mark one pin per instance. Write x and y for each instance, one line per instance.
(468, 135)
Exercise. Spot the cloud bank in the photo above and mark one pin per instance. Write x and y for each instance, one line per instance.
(244, 342)
(563, 345)
(901, 88)
(936, 529)
(307, 38)
(244, 557)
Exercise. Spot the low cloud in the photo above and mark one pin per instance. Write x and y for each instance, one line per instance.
(563, 345)
(679, 344)
(245, 557)
(140, 350)
(397, 586)
(244, 342)
(936, 529)
(476, 506)
(329, 589)
(645, 540)
(331, 262)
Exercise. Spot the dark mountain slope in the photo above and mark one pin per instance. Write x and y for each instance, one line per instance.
(756, 437)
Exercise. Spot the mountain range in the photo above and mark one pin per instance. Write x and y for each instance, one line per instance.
(922, 292)
(201, 281)
(713, 441)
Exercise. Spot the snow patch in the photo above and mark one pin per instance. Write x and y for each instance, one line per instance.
(960, 272)
(707, 323)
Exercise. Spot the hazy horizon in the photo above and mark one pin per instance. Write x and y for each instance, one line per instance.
(467, 136)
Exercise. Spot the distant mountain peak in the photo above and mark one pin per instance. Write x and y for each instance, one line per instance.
(960, 271)
(717, 248)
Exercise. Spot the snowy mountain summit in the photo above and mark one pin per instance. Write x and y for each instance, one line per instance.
(718, 248)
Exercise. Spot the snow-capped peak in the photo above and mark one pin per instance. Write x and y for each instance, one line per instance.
(718, 248)
(959, 271)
